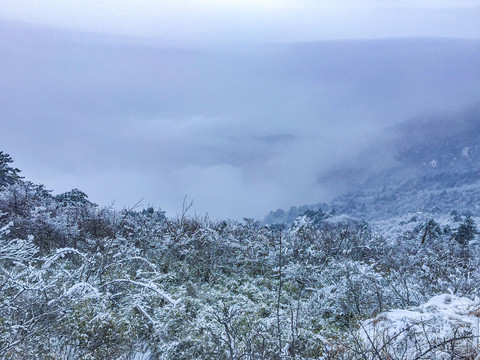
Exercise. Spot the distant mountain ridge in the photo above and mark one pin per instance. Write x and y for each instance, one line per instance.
(429, 164)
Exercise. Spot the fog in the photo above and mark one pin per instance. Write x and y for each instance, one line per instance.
(240, 129)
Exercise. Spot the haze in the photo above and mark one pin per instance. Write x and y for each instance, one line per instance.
(241, 106)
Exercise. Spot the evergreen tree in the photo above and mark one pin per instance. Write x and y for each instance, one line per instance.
(466, 231)
(8, 174)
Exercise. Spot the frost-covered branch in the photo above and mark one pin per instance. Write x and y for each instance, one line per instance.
(150, 286)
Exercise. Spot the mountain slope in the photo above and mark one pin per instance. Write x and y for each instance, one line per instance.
(429, 164)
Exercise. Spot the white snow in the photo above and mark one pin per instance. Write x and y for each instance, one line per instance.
(442, 318)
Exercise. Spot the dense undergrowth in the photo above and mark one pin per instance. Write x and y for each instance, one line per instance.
(78, 281)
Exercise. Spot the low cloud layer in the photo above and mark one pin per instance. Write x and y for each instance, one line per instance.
(239, 130)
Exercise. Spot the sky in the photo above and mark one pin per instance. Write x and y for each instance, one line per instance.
(242, 106)
(254, 20)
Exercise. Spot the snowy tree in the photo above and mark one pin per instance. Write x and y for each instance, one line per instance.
(8, 175)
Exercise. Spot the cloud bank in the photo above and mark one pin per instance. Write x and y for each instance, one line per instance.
(239, 129)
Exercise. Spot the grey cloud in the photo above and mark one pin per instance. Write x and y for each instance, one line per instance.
(241, 130)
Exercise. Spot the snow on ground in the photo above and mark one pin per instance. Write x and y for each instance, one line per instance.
(428, 329)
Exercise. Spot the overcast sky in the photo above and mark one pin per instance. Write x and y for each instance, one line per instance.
(220, 100)
(255, 20)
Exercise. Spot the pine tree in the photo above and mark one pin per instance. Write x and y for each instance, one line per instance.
(466, 231)
(8, 174)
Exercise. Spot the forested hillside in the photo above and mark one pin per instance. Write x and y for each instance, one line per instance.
(429, 164)
(78, 281)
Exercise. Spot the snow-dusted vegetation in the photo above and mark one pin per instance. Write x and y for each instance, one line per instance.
(78, 281)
